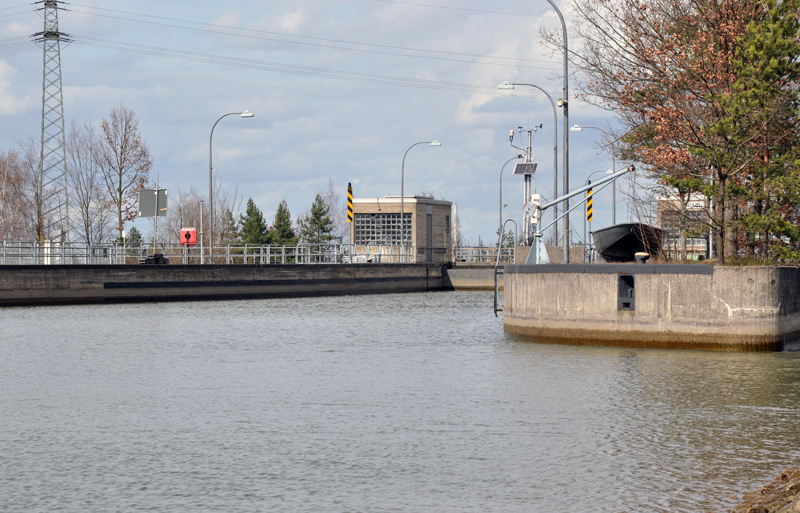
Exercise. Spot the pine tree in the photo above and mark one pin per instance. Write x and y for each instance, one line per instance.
(317, 227)
(282, 232)
(508, 239)
(134, 236)
(253, 226)
(229, 232)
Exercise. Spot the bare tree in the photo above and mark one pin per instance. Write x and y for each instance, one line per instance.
(183, 212)
(92, 211)
(29, 190)
(15, 189)
(185, 209)
(124, 162)
(227, 206)
(338, 213)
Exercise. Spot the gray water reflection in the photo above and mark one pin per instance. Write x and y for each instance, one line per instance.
(379, 403)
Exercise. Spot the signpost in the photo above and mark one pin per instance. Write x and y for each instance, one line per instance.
(153, 203)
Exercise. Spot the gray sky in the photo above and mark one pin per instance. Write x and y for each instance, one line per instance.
(339, 89)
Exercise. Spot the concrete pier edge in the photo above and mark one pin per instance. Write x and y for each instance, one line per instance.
(74, 284)
(677, 306)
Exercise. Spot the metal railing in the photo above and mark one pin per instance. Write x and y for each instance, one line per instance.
(482, 255)
(74, 253)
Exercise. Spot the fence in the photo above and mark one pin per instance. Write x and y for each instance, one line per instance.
(481, 255)
(73, 253)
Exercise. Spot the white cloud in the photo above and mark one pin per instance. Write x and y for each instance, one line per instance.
(11, 103)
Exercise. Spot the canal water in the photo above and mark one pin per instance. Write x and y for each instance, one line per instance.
(401, 403)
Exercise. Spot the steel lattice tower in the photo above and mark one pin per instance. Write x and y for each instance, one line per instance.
(52, 184)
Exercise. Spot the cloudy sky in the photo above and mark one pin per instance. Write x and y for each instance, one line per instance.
(340, 89)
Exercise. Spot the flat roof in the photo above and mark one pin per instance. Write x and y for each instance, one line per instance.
(406, 199)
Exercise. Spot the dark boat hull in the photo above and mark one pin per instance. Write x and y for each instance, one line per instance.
(620, 242)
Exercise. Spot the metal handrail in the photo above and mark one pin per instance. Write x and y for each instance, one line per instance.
(76, 253)
(497, 272)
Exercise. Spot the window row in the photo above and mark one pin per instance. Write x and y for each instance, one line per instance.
(381, 229)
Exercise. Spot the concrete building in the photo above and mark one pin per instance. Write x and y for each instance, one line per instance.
(425, 236)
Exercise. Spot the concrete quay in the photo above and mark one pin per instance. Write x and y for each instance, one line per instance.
(655, 305)
(25, 285)
(471, 277)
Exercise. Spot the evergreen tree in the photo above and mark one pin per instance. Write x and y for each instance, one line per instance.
(317, 227)
(229, 232)
(253, 226)
(508, 239)
(282, 232)
(134, 236)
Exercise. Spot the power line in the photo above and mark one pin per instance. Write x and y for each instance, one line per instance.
(14, 42)
(239, 62)
(449, 8)
(278, 67)
(14, 14)
(15, 7)
(259, 35)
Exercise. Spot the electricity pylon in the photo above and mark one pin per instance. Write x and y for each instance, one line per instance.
(53, 201)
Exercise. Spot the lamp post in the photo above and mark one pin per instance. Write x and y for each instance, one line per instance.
(202, 249)
(402, 192)
(510, 85)
(500, 233)
(586, 184)
(245, 114)
(578, 128)
(562, 102)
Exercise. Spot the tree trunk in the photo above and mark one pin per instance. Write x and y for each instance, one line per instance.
(719, 215)
(730, 231)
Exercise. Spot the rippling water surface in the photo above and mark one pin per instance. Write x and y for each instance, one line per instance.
(408, 403)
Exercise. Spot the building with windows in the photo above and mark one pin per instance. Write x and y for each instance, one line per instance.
(424, 235)
(691, 223)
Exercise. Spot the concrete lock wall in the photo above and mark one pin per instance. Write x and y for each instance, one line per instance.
(471, 277)
(38, 285)
(694, 306)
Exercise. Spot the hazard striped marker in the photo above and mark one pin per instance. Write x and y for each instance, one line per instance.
(349, 203)
(589, 204)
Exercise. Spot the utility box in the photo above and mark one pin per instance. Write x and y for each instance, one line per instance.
(188, 236)
(626, 292)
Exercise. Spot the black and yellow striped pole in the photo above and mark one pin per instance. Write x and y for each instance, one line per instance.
(588, 212)
(589, 203)
(349, 203)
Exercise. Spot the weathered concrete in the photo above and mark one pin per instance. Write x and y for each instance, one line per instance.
(694, 306)
(471, 277)
(39, 285)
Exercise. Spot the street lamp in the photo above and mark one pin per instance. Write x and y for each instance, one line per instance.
(500, 233)
(586, 184)
(402, 191)
(562, 102)
(202, 250)
(578, 128)
(510, 85)
(245, 114)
